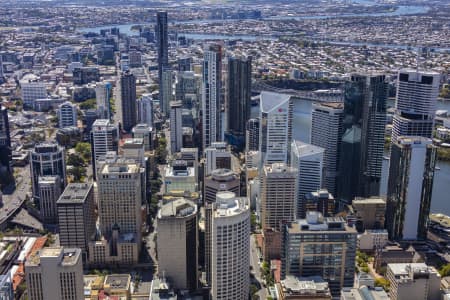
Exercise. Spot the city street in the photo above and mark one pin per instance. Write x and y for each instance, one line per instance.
(256, 270)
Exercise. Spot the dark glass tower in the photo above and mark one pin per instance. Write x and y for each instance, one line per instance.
(128, 103)
(162, 43)
(362, 142)
(239, 94)
(5, 141)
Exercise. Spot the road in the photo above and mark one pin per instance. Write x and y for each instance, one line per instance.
(256, 270)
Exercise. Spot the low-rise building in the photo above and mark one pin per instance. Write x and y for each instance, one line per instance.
(307, 288)
(372, 240)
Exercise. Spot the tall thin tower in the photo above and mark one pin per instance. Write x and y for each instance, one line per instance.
(162, 43)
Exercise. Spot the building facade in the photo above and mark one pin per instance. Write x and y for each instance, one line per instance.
(176, 129)
(128, 101)
(162, 42)
(67, 115)
(49, 192)
(104, 138)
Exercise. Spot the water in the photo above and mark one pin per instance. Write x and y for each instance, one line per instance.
(440, 201)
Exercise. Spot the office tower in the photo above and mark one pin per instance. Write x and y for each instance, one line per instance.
(177, 243)
(67, 115)
(308, 160)
(362, 142)
(415, 106)
(415, 281)
(410, 186)
(1, 70)
(318, 246)
(230, 244)
(370, 213)
(187, 89)
(31, 91)
(166, 91)
(47, 159)
(179, 176)
(49, 192)
(104, 138)
(321, 201)
(135, 59)
(220, 180)
(102, 96)
(176, 130)
(278, 195)
(128, 100)
(85, 75)
(162, 42)
(217, 156)
(133, 148)
(76, 216)
(6, 286)
(275, 134)
(211, 92)
(326, 130)
(252, 135)
(5, 141)
(120, 198)
(184, 64)
(145, 109)
(238, 98)
(55, 273)
(145, 132)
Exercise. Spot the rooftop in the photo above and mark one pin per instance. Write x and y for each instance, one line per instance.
(117, 281)
(304, 149)
(65, 256)
(178, 208)
(271, 100)
(75, 193)
(229, 205)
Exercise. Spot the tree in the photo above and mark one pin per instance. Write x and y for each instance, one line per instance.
(383, 282)
(78, 173)
(84, 149)
(75, 160)
(445, 270)
(88, 104)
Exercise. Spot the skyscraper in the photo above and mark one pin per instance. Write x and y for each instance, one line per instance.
(49, 192)
(410, 186)
(162, 42)
(67, 115)
(104, 138)
(326, 131)
(217, 156)
(308, 161)
(166, 90)
(238, 94)
(220, 180)
(102, 96)
(145, 109)
(5, 141)
(177, 243)
(275, 135)
(415, 106)
(128, 100)
(55, 273)
(47, 159)
(76, 216)
(211, 87)
(252, 135)
(362, 142)
(176, 129)
(230, 243)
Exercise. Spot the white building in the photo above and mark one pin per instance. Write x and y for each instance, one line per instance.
(415, 106)
(275, 135)
(102, 95)
(55, 273)
(373, 239)
(67, 115)
(145, 109)
(104, 138)
(230, 244)
(308, 160)
(326, 129)
(49, 192)
(180, 177)
(176, 129)
(145, 132)
(217, 156)
(31, 91)
(415, 281)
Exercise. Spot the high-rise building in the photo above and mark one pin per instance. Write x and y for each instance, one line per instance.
(369, 213)
(217, 156)
(211, 92)
(55, 273)
(104, 138)
(31, 91)
(415, 106)
(278, 195)
(128, 100)
(308, 161)
(410, 186)
(321, 201)
(220, 180)
(162, 42)
(415, 281)
(326, 130)
(187, 88)
(176, 129)
(145, 109)
(230, 243)
(49, 192)
(166, 90)
(47, 159)
(5, 141)
(275, 134)
(67, 115)
(180, 177)
(184, 64)
(76, 216)
(362, 142)
(252, 135)
(238, 98)
(318, 246)
(6, 286)
(177, 243)
(102, 96)
(145, 132)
